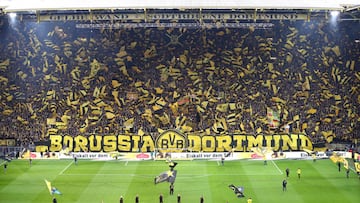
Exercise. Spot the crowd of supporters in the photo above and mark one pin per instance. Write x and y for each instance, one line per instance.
(300, 76)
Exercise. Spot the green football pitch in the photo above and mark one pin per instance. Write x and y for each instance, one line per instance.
(105, 181)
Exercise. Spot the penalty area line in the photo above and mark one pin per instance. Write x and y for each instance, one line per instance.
(66, 168)
(276, 166)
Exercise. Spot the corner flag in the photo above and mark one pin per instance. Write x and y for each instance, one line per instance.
(52, 190)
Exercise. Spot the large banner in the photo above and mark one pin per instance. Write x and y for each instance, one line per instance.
(174, 141)
(170, 15)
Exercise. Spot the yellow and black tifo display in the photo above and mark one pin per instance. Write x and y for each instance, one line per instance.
(290, 84)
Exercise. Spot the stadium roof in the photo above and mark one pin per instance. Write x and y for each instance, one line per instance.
(47, 5)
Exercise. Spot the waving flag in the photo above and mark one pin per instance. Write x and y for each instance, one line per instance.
(171, 163)
(172, 176)
(239, 191)
(273, 118)
(168, 176)
(52, 190)
(262, 151)
(357, 167)
(346, 164)
(335, 157)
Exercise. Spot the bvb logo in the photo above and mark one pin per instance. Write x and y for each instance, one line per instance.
(171, 141)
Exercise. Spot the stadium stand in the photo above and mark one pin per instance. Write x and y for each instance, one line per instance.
(295, 76)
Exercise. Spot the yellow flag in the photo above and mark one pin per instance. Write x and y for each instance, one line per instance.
(141, 132)
(312, 111)
(296, 118)
(129, 123)
(258, 130)
(48, 184)
(336, 50)
(222, 107)
(109, 115)
(357, 167)
(186, 128)
(159, 90)
(346, 164)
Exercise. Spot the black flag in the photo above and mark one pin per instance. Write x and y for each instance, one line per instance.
(239, 191)
(168, 176)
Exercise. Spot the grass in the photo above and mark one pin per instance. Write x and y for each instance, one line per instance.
(97, 181)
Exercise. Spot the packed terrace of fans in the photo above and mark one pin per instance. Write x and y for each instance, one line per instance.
(297, 76)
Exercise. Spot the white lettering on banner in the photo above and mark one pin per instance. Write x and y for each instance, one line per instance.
(241, 155)
(85, 155)
(172, 16)
(216, 155)
(183, 156)
(304, 155)
(122, 25)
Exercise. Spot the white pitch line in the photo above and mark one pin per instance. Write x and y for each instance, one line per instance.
(182, 176)
(66, 168)
(276, 166)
